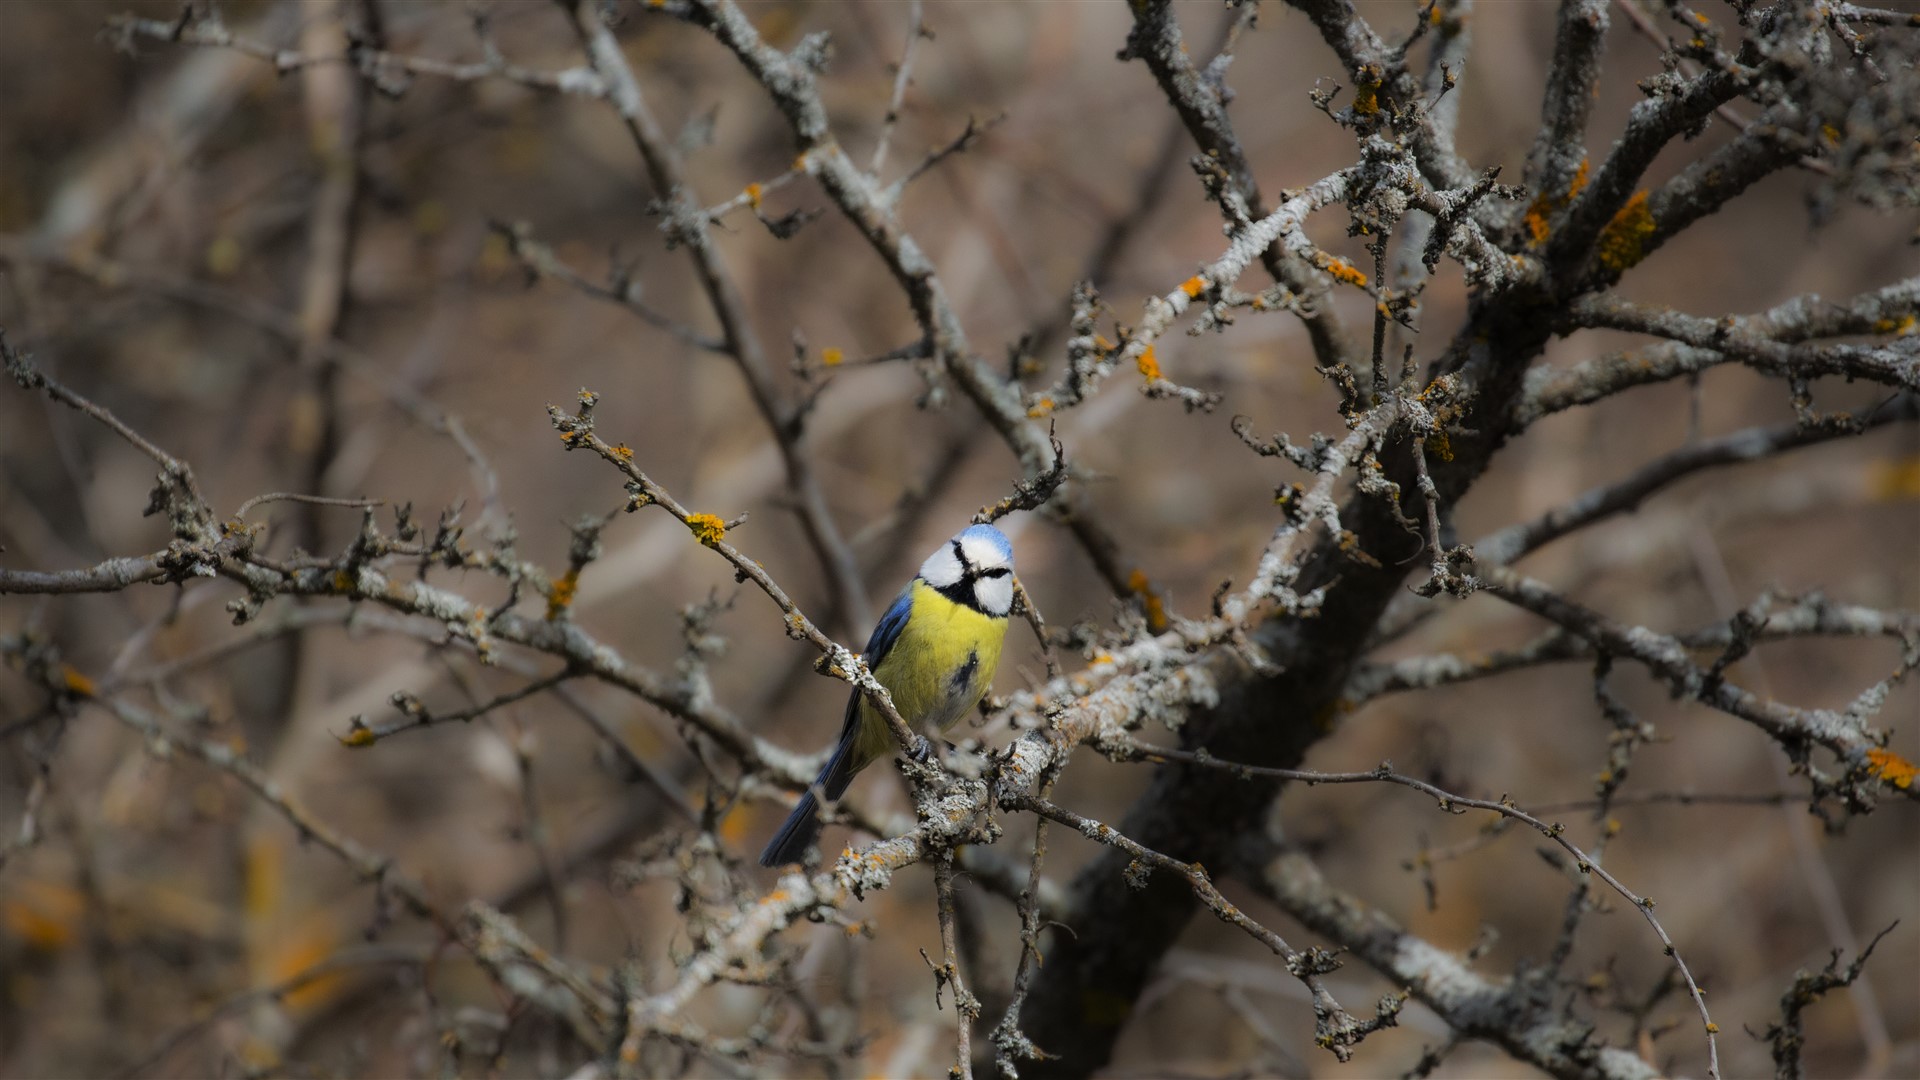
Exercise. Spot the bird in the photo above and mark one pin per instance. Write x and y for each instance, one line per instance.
(935, 650)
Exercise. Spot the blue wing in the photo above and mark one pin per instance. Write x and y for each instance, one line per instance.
(802, 826)
(888, 632)
(840, 769)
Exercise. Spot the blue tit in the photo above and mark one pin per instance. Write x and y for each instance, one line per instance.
(935, 651)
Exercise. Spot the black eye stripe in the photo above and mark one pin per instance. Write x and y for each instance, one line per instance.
(996, 572)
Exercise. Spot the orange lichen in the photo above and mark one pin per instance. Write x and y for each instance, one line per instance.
(1440, 446)
(1349, 544)
(1623, 243)
(832, 357)
(733, 827)
(1540, 212)
(560, 594)
(1890, 481)
(357, 735)
(1040, 408)
(1149, 365)
(1579, 182)
(75, 683)
(1156, 608)
(43, 916)
(1890, 768)
(1366, 91)
(753, 195)
(1343, 271)
(707, 528)
(1900, 326)
(1536, 220)
(623, 452)
(1194, 286)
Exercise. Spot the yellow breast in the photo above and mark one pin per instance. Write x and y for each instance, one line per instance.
(938, 669)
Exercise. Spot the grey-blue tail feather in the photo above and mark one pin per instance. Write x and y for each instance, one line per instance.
(802, 827)
(796, 835)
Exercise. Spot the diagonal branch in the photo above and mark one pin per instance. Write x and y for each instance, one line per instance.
(687, 223)
(1200, 99)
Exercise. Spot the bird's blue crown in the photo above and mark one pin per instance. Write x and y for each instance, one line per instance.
(990, 535)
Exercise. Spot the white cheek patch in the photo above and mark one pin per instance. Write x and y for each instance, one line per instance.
(983, 553)
(994, 594)
(942, 568)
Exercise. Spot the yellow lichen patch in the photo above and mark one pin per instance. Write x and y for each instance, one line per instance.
(75, 683)
(1440, 446)
(223, 256)
(342, 581)
(1538, 218)
(1890, 481)
(1156, 608)
(1891, 768)
(707, 528)
(41, 915)
(832, 357)
(1344, 271)
(733, 827)
(1040, 408)
(358, 735)
(310, 944)
(1349, 544)
(1366, 92)
(623, 452)
(1623, 242)
(1194, 286)
(568, 438)
(753, 195)
(1900, 326)
(1149, 365)
(560, 594)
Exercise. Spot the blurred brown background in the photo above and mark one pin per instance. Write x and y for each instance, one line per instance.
(155, 206)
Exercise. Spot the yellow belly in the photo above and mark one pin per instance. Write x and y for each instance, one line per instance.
(937, 671)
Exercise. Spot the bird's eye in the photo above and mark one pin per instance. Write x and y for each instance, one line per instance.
(998, 571)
